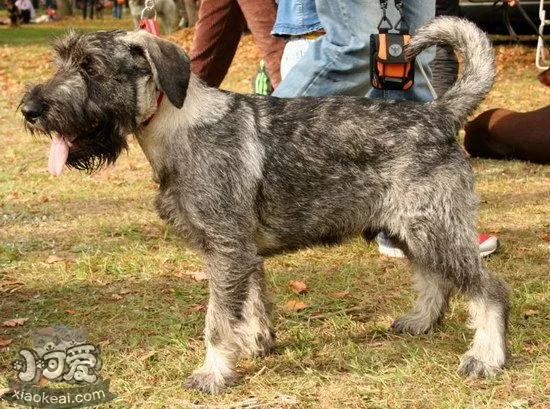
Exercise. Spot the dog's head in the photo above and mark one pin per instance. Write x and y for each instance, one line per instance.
(106, 86)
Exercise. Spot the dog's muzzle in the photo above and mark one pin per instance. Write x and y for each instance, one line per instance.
(32, 110)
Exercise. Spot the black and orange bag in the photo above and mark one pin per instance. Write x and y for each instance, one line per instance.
(389, 68)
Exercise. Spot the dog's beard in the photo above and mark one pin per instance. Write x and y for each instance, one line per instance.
(88, 150)
(99, 147)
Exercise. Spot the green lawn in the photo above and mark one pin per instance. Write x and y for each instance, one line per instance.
(123, 275)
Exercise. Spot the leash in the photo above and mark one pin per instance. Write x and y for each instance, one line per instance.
(151, 25)
(506, 19)
(147, 23)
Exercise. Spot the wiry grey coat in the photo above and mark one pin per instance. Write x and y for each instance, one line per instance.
(242, 177)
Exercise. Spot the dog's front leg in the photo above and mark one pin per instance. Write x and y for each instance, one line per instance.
(237, 320)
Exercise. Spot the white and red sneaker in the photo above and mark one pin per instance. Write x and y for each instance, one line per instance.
(488, 244)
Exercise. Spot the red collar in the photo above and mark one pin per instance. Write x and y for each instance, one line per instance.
(159, 100)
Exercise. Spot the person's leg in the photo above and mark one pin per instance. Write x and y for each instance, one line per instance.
(417, 13)
(445, 65)
(260, 17)
(218, 31)
(337, 62)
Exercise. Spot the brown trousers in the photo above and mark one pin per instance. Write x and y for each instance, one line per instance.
(219, 29)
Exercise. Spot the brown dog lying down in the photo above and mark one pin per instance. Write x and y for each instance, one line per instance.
(544, 77)
(504, 134)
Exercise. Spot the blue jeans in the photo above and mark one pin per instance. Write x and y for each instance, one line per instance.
(338, 62)
(117, 10)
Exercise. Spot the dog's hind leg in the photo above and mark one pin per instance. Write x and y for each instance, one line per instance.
(489, 317)
(237, 320)
(446, 246)
(431, 304)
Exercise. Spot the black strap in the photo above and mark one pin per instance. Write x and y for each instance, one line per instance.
(385, 20)
(385, 24)
(506, 19)
(401, 25)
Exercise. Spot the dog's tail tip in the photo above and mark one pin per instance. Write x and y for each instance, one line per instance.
(479, 71)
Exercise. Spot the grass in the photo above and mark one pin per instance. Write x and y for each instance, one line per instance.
(128, 279)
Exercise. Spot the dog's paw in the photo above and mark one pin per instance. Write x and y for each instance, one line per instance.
(473, 367)
(208, 381)
(413, 324)
(263, 345)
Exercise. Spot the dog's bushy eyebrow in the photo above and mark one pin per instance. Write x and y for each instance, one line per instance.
(74, 43)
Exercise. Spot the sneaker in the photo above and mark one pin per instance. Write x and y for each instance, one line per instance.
(488, 244)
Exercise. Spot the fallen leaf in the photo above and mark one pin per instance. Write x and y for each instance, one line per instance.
(132, 165)
(5, 342)
(147, 356)
(15, 322)
(43, 199)
(530, 313)
(544, 236)
(116, 297)
(53, 259)
(196, 307)
(104, 343)
(153, 186)
(198, 275)
(295, 305)
(298, 286)
(339, 294)
(70, 311)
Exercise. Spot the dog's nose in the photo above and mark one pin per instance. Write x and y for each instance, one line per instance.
(32, 110)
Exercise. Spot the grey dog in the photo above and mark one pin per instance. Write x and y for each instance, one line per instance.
(242, 177)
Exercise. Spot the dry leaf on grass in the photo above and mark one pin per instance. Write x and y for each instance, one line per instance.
(70, 311)
(53, 259)
(116, 297)
(530, 313)
(298, 286)
(544, 236)
(15, 322)
(146, 356)
(198, 275)
(103, 343)
(295, 305)
(339, 294)
(43, 199)
(5, 342)
(196, 307)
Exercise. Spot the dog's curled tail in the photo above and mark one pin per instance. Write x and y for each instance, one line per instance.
(479, 72)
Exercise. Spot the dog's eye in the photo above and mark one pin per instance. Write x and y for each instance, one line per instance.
(88, 67)
(137, 51)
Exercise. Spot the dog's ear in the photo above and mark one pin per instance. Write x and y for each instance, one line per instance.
(170, 66)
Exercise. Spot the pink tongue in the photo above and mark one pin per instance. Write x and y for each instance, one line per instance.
(59, 152)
